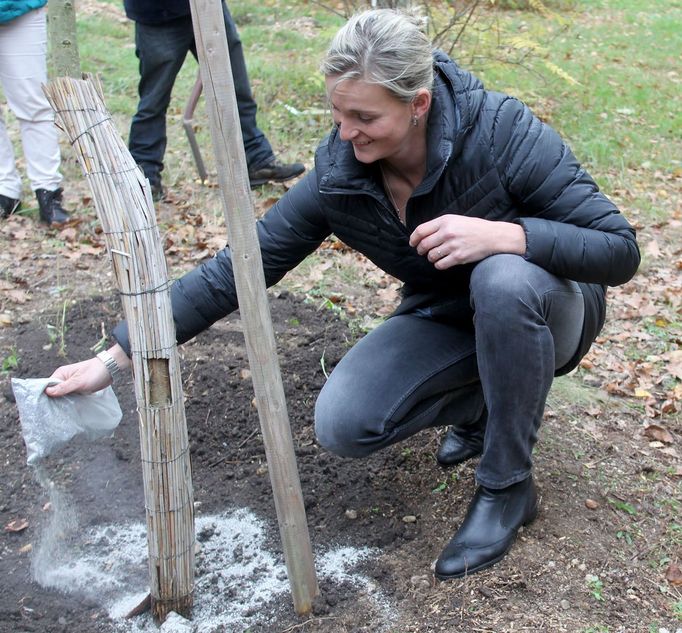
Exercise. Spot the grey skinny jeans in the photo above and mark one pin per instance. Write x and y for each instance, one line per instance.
(415, 372)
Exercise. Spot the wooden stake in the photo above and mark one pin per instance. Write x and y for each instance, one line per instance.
(209, 33)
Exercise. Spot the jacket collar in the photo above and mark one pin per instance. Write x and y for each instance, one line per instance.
(457, 99)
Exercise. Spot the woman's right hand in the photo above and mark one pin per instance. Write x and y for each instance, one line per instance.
(87, 376)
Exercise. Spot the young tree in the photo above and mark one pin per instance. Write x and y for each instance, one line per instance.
(63, 43)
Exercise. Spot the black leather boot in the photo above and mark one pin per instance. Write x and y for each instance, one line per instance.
(158, 190)
(50, 204)
(8, 206)
(489, 529)
(461, 443)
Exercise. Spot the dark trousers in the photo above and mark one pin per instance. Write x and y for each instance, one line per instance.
(162, 50)
(414, 372)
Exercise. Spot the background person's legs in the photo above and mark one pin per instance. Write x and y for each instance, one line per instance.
(10, 180)
(256, 146)
(261, 162)
(23, 70)
(161, 51)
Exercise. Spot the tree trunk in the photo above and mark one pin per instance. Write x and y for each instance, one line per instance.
(63, 43)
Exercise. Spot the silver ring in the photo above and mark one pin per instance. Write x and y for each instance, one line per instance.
(438, 253)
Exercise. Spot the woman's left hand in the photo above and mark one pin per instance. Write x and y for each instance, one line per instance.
(450, 240)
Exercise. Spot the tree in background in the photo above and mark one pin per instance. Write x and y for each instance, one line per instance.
(473, 34)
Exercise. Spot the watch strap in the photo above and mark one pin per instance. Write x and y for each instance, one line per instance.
(109, 362)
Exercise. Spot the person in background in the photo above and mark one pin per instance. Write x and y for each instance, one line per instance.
(163, 36)
(503, 241)
(23, 71)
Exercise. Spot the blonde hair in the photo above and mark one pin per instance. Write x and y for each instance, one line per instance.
(385, 47)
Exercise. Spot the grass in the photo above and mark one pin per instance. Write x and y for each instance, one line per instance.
(107, 48)
(623, 116)
(11, 361)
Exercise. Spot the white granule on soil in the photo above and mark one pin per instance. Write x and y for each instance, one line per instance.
(236, 575)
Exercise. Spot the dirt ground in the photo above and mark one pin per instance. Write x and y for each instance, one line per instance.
(601, 556)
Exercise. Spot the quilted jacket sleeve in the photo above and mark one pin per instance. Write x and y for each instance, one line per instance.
(292, 229)
(572, 229)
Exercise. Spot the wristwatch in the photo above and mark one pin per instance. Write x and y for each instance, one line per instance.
(109, 362)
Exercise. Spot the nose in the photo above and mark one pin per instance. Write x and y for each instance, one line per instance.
(346, 131)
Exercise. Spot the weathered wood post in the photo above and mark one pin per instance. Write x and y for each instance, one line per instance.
(125, 209)
(209, 31)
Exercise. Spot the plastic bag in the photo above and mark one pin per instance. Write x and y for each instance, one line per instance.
(48, 423)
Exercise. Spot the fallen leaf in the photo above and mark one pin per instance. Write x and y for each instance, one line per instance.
(668, 407)
(69, 234)
(658, 434)
(674, 363)
(673, 575)
(18, 525)
(26, 548)
(17, 296)
(652, 249)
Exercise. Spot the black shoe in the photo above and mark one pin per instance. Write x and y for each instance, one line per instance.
(158, 190)
(51, 210)
(489, 529)
(274, 171)
(8, 206)
(460, 444)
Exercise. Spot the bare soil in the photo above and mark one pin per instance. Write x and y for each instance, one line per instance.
(610, 496)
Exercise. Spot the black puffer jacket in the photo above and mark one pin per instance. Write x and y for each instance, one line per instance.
(488, 157)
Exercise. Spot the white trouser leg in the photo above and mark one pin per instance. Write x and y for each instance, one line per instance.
(23, 69)
(10, 180)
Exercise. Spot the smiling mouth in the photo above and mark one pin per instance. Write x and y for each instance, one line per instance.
(361, 144)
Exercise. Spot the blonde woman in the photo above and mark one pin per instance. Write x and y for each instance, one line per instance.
(503, 242)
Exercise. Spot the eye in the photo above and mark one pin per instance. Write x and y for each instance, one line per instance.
(365, 118)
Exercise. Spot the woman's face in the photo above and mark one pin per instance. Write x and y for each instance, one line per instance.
(371, 118)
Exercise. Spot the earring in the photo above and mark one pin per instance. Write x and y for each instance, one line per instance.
(414, 120)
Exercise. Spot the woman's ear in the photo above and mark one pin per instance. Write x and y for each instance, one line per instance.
(421, 103)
